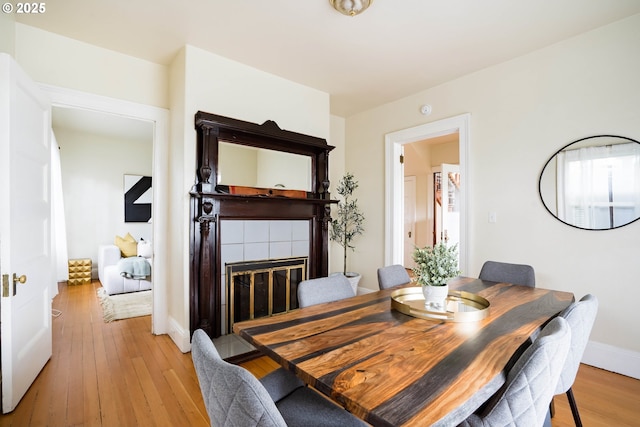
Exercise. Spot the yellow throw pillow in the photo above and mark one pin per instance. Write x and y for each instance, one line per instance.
(127, 244)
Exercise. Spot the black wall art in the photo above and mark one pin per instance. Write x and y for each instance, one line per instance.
(137, 198)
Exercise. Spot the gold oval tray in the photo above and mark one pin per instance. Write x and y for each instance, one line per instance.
(461, 306)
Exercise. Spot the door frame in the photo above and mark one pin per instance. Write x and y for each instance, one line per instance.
(394, 183)
(69, 98)
(412, 179)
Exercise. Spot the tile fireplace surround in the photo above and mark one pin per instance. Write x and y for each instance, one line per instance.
(252, 240)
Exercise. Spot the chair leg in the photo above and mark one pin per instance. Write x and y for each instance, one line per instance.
(574, 408)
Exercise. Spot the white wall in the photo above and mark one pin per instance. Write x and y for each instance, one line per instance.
(336, 172)
(522, 111)
(7, 33)
(220, 86)
(177, 259)
(60, 61)
(93, 168)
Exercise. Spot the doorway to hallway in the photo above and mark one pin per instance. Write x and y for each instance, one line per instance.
(395, 144)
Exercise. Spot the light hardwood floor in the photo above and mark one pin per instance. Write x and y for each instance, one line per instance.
(118, 374)
(109, 374)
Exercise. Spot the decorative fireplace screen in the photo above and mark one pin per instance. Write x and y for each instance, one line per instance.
(263, 288)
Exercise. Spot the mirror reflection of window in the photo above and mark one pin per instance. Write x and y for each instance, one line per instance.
(599, 187)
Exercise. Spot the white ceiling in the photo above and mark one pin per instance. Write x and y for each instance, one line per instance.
(100, 123)
(392, 50)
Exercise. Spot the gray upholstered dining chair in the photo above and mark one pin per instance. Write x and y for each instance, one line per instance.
(392, 275)
(233, 397)
(580, 315)
(524, 399)
(324, 289)
(518, 274)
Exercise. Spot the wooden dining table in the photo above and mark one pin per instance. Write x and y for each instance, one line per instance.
(393, 369)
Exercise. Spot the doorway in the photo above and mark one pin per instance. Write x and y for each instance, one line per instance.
(411, 219)
(445, 193)
(98, 151)
(159, 119)
(421, 158)
(394, 183)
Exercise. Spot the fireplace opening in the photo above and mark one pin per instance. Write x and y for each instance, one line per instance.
(263, 288)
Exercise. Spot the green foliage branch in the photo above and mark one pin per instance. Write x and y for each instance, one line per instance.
(349, 220)
(436, 265)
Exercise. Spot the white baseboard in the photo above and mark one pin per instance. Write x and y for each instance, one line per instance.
(179, 336)
(362, 290)
(614, 359)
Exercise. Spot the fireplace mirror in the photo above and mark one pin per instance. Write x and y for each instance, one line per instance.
(594, 183)
(242, 165)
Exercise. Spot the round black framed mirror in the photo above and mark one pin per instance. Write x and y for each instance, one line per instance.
(593, 183)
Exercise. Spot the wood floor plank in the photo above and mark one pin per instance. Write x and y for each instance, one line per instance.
(90, 394)
(604, 399)
(139, 404)
(157, 364)
(159, 414)
(121, 400)
(106, 387)
(75, 406)
(41, 405)
(189, 402)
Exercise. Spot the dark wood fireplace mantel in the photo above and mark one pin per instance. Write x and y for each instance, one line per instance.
(210, 204)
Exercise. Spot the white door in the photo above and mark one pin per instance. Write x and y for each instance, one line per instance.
(409, 220)
(25, 231)
(450, 207)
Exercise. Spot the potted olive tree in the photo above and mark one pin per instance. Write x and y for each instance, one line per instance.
(348, 223)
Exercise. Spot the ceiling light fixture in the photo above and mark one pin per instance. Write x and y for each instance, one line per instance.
(350, 7)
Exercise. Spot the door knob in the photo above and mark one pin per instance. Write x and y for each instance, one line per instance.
(22, 279)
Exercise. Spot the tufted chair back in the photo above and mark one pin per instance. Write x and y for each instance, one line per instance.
(324, 289)
(518, 274)
(392, 275)
(524, 399)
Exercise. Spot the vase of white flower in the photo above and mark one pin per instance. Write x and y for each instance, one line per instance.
(435, 266)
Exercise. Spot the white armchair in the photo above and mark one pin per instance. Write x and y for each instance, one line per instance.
(110, 276)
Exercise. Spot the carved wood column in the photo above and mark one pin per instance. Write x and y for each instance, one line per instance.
(208, 307)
